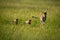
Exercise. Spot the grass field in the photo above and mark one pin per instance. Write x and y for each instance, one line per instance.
(24, 10)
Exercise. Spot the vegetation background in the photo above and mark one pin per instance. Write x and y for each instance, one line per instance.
(24, 10)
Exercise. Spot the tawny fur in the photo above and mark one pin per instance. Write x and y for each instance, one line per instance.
(42, 17)
(15, 21)
(28, 22)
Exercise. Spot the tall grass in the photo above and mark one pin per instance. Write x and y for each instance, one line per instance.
(24, 10)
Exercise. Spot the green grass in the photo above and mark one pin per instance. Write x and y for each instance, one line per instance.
(24, 10)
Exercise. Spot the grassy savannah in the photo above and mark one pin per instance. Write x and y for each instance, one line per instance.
(24, 10)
